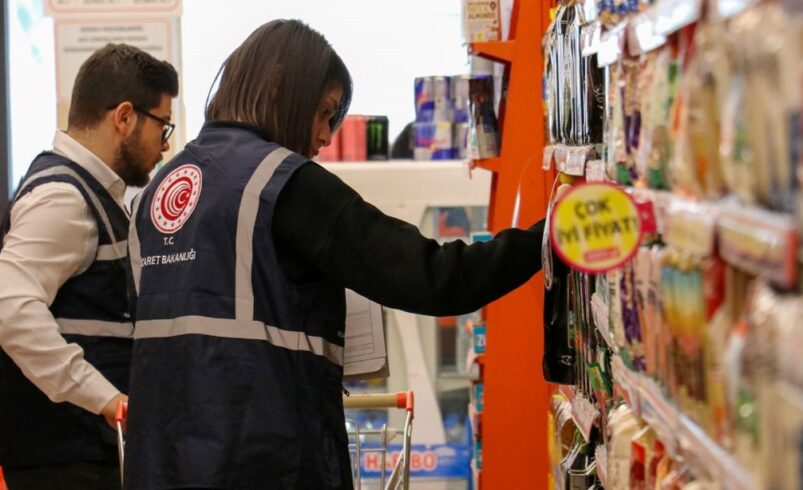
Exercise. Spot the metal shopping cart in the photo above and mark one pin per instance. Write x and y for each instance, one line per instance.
(363, 441)
(119, 420)
(399, 477)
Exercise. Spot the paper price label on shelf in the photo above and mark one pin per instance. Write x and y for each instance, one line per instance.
(549, 151)
(641, 35)
(673, 15)
(561, 153)
(576, 161)
(595, 227)
(595, 171)
(612, 45)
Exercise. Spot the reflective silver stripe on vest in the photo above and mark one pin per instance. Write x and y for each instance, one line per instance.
(135, 255)
(96, 328)
(112, 252)
(65, 170)
(246, 221)
(243, 326)
(238, 329)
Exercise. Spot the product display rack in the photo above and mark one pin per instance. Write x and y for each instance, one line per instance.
(728, 414)
(682, 436)
(516, 398)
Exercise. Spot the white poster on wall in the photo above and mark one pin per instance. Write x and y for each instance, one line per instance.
(77, 39)
(96, 8)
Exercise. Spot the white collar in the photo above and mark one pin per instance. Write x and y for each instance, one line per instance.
(67, 146)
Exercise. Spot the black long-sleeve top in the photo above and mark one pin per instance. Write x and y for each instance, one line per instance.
(323, 228)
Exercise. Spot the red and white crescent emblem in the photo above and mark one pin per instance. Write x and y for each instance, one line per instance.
(176, 198)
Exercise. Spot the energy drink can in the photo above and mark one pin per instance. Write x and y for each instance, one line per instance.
(460, 140)
(433, 141)
(353, 139)
(442, 95)
(433, 99)
(377, 138)
(460, 97)
(424, 98)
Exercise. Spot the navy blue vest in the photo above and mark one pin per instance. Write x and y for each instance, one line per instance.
(236, 373)
(92, 311)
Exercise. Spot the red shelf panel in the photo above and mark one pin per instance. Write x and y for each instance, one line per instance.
(517, 399)
(492, 164)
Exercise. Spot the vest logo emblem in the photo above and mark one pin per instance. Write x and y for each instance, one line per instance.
(176, 198)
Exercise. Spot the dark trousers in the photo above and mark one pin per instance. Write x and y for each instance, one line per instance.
(71, 476)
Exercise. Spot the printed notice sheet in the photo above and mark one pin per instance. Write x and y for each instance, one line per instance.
(365, 355)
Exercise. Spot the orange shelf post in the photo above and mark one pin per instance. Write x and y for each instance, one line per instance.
(514, 436)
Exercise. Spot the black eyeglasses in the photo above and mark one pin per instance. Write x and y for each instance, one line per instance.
(167, 129)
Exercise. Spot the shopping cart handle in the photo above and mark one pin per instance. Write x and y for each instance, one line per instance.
(402, 399)
(119, 419)
(405, 400)
(122, 411)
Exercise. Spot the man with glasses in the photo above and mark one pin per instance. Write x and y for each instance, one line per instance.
(65, 326)
(168, 128)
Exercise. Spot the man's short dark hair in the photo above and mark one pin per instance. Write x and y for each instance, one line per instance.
(118, 73)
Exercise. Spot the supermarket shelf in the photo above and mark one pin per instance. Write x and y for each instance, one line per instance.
(395, 163)
(570, 160)
(496, 50)
(681, 435)
(759, 241)
(405, 188)
(649, 29)
(707, 455)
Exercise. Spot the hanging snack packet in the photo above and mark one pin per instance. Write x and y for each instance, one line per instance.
(484, 137)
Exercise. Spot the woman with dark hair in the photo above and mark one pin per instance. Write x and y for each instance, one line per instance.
(241, 249)
(277, 80)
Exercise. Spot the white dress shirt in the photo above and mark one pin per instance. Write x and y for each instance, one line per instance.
(53, 237)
